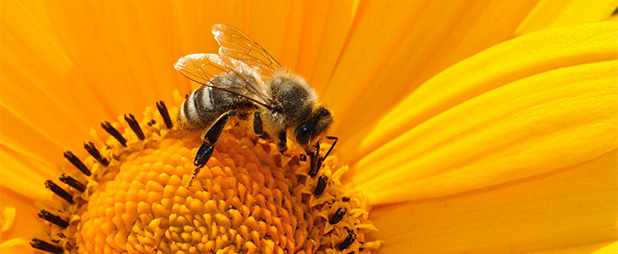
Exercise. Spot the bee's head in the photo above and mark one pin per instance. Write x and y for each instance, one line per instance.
(308, 131)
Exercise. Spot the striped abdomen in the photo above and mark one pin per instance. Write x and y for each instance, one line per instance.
(206, 104)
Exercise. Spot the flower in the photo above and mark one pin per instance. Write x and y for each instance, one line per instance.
(471, 127)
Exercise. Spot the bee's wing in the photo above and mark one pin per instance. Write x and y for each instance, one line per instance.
(237, 45)
(214, 71)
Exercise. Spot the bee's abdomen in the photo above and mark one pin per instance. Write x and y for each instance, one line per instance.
(200, 109)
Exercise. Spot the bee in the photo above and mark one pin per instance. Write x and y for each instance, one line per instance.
(244, 81)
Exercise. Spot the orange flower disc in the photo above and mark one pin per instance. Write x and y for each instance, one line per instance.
(249, 198)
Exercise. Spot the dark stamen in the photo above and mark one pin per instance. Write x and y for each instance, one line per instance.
(72, 182)
(53, 218)
(347, 241)
(319, 163)
(43, 245)
(95, 153)
(345, 199)
(134, 126)
(319, 187)
(166, 116)
(77, 163)
(315, 158)
(336, 218)
(112, 131)
(58, 191)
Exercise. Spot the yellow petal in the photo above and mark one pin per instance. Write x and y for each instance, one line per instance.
(30, 142)
(504, 63)
(568, 207)
(473, 136)
(554, 13)
(394, 46)
(600, 248)
(15, 245)
(24, 175)
(7, 218)
(25, 222)
(32, 66)
(319, 49)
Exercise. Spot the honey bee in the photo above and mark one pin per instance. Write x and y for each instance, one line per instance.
(246, 82)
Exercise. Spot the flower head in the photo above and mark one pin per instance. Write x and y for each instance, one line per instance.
(470, 127)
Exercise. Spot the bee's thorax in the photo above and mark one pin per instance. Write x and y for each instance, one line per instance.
(293, 101)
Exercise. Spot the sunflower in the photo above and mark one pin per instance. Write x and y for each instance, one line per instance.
(464, 126)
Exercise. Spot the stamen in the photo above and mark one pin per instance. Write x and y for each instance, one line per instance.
(72, 182)
(53, 218)
(59, 191)
(315, 160)
(134, 126)
(165, 114)
(43, 245)
(338, 216)
(319, 187)
(77, 163)
(349, 240)
(92, 150)
(112, 131)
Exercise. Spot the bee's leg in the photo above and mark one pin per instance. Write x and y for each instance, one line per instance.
(283, 138)
(208, 145)
(313, 160)
(258, 127)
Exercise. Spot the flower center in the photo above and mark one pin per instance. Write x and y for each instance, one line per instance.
(132, 196)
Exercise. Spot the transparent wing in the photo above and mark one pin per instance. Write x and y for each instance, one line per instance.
(237, 45)
(214, 71)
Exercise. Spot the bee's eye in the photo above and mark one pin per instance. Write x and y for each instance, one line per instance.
(304, 132)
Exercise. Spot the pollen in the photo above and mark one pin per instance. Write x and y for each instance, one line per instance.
(130, 195)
